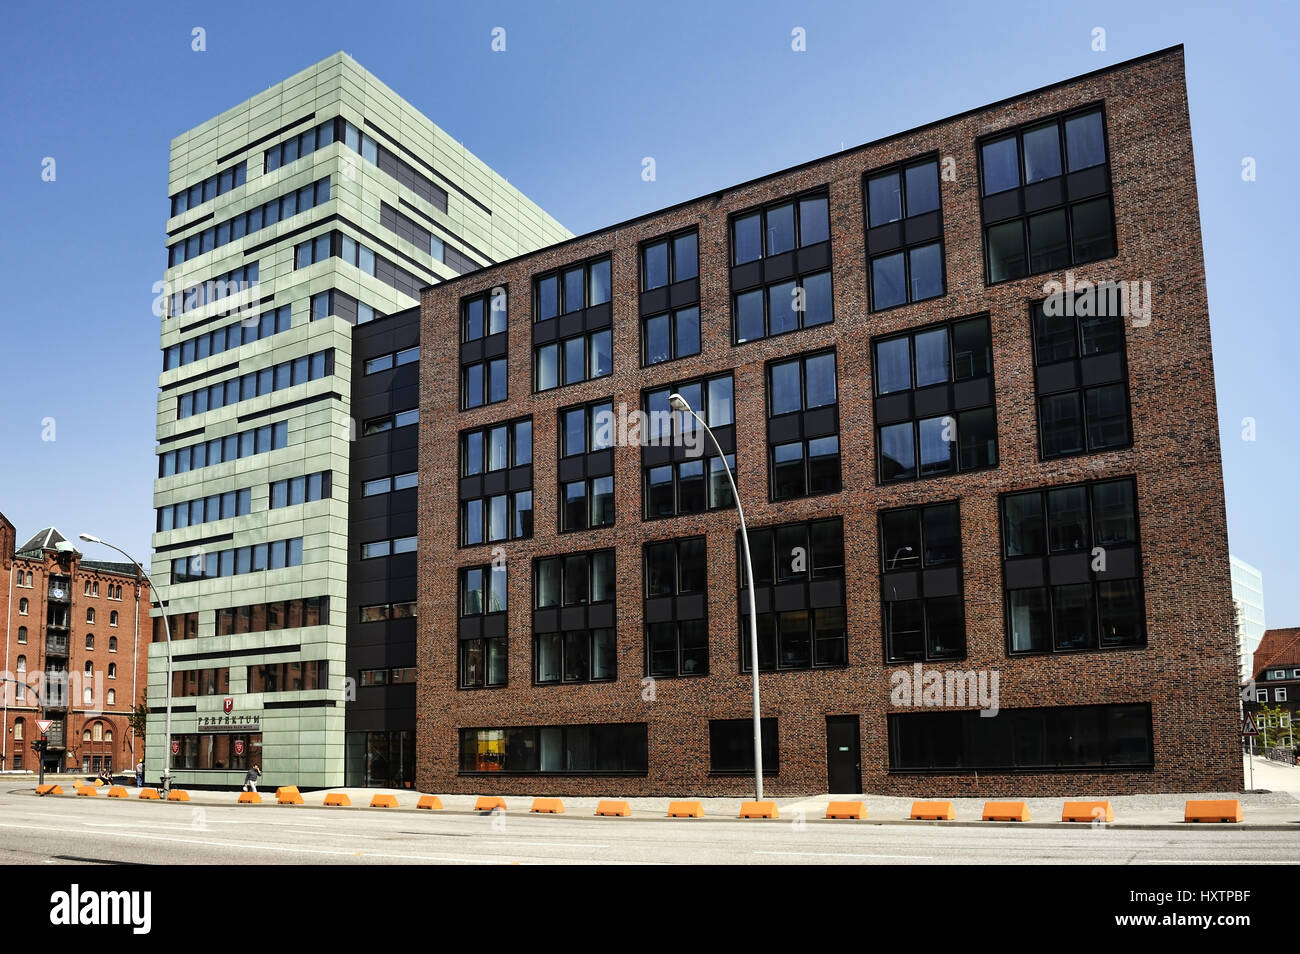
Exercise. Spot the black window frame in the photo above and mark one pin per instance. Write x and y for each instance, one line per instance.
(632, 748)
(515, 480)
(744, 739)
(678, 294)
(803, 425)
(960, 398)
(678, 607)
(1128, 568)
(485, 628)
(586, 466)
(565, 618)
(1069, 182)
(906, 234)
(660, 450)
(926, 587)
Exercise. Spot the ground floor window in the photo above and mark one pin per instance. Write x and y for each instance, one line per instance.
(731, 746)
(203, 750)
(381, 759)
(565, 749)
(1042, 739)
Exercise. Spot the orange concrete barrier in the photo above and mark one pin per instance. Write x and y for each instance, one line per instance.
(97, 782)
(149, 793)
(613, 807)
(178, 795)
(758, 810)
(249, 798)
(384, 801)
(432, 802)
(547, 806)
(935, 811)
(49, 789)
(1006, 811)
(117, 791)
(87, 790)
(1214, 810)
(488, 803)
(1087, 812)
(288, 795)
(685, 810)
(846, 810)
(337, 798)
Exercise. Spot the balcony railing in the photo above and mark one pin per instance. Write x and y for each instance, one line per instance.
(56, 645)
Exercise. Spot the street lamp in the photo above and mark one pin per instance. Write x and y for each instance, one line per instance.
(679, 403)
(167, 741)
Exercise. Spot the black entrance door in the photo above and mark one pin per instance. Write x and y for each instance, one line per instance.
(843, 761)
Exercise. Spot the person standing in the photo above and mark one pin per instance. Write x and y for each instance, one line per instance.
(250, 780)
(139, 774)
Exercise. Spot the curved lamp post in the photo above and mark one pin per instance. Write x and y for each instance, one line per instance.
(167, 741)
(679, 403)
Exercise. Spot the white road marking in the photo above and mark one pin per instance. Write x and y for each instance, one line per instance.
(840, 854)
(549, 844)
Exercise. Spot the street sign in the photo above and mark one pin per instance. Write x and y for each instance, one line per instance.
(176, 748)
(239, 746)
(1248, 725)
(44, 725)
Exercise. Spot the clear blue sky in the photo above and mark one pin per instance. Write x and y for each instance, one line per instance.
(712, 91)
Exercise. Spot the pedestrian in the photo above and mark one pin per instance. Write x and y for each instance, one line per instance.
(106, 777)
(250, 780)
(139, 774)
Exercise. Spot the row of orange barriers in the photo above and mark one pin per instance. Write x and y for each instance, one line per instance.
(1208, 810)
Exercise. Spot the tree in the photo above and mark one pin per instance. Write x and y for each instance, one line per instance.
(1275, 726)
(137, 719)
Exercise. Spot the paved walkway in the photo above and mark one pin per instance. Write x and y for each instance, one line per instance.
(1278, 806)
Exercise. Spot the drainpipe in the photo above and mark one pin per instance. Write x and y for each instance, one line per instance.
(135, 668)
(9, 623)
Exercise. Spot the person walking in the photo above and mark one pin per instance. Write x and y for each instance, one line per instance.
(139, 774)
(250, 780)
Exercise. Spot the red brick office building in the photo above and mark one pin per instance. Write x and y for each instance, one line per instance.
(70, 635)
(956, 477)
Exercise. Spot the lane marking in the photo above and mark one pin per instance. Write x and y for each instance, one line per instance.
(840, 854)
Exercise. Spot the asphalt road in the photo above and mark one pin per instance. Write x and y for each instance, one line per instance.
(102, 831)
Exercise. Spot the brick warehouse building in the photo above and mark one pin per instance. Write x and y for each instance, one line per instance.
(934, 469)
(64, 614)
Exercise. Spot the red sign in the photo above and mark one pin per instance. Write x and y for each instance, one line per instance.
(227, 705)
(1248, 726)
(239, 746)
(176, 748)
(44, 725)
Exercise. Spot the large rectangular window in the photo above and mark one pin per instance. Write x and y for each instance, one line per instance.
(298, 490)
(573, 618)
(780, 275)
(483, 362)
(262, 216)
(268, 617)
(586, 466)
(617, 749)
(227, 338)
(670, 298)
(1072, 568)
(935, 401)
(731, 746)
(572, 340)
(803, 427)
(681, 471)
(496, 485)
(275, 555)
(921, 583)
(676, 608)
(1046, 196)
(1082, 738)
(219, 183)
(904, 234)
(189, 513)
(289, 676)
(804, 563)
(1081, 373)
(253, 384)
(482, 626)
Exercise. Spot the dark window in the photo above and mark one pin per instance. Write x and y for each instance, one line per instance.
(483, 604)
(1046, 739)
(587, 434)
(620, 749)
(803, 427)
(904, 226)
(921, 583)
(762, 307)
(731, 746)
(806, 561)
(483, 315)
(499, 508)
(1047, 202)
(1081, 372)
(677, 640)
(694, 479)
(1072, 568)
(934, 401)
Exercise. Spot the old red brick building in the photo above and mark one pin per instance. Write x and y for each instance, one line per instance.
(1275, 685)
(952, 469)
(70, 637)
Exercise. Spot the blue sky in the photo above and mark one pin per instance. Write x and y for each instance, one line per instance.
(583, 91)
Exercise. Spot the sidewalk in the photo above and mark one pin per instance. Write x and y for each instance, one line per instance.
(1277, 808)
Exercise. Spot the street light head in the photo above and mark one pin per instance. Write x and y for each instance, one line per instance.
(678, 403)
(91, 538)
(907, 549)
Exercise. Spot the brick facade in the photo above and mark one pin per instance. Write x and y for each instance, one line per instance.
(1186, 671)
(106, 722)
